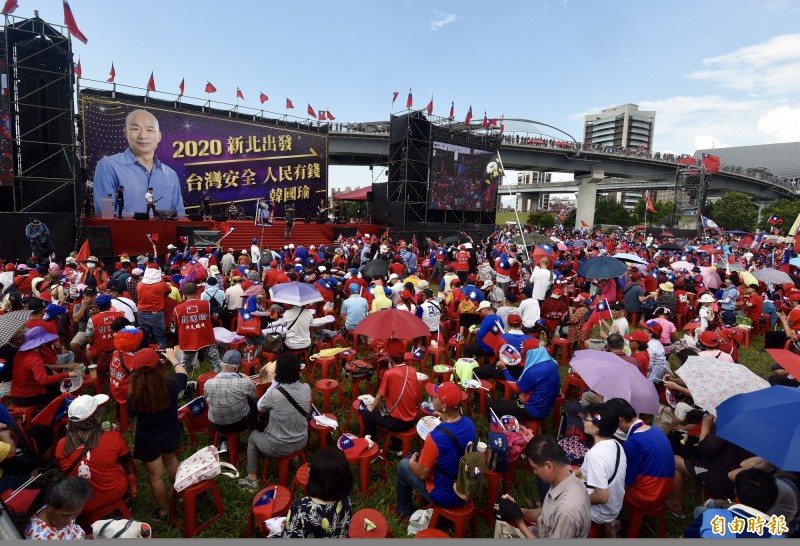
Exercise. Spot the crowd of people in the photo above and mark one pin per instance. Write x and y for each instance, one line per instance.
(117, 325)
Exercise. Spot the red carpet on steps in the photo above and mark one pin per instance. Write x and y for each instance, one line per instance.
(130, 235)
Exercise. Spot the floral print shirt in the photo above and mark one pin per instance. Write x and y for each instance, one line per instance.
(307, 519)
(37, 529)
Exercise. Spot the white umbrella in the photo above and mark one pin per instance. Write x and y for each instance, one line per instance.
(632, 258)
(712, 381)
(773, 276)
(294, 293)
(683, 264)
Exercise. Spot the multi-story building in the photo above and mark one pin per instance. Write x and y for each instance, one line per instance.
(620, 127)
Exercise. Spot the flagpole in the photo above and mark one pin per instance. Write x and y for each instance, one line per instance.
(516, 212)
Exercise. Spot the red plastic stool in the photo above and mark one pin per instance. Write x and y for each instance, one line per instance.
(493, 484)
(321, 431)
(482, 395)
(355, 386)
(326, 387)
(431, 533)
(302, 354)
(364, 461)
(251, 367)
(268, 357)
(566, 350)
(236, 346)
(405, 437)
(325, 363)
(93, 383)
(300, 480)
(283, 468)
(457, 346)
(459, 516)
(278, 507)
(637, 517)
(346, 356)
(537, 426)
(201, 381)
(440, 377)
(189, 496)
(422, 382)
(437, 355)
(232, 438)
(509, 388)
(116, 506)
(357, 530)
(375, 346)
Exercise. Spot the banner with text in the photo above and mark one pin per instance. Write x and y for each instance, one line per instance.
(230, 160)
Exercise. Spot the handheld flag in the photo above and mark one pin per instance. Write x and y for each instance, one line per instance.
(649, 204)
(263, 98)
(153, 236)
(584, 224)
(774, 220)
(112, 74)
(210, 88)
(686, 159)
(69, 22)
(151, 83)
(84, 252)
(708, 223)
(711, 163)
(603, 310)
(181, 87)
(289, 104)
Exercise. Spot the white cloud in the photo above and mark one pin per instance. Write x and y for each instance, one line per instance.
(441, 19)
(768, 68)
(781, 124)
(702, 142)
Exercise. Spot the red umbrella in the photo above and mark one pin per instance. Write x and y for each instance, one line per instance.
(787, 360)
(392, 324)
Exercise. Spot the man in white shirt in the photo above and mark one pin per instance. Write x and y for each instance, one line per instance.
(234, 294)
(430, 311)
(255, 253)
(298, 327)
(122, 304)
(541, 278)
(529, 310)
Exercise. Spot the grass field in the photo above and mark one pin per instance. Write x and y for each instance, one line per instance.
(237, 502)
(502, 217)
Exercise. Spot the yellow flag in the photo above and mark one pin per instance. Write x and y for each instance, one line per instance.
(795, 226)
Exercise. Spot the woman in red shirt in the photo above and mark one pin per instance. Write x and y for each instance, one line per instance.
(102, 457)
(31, 384)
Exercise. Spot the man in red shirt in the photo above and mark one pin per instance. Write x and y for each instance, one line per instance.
(99, 334)
(398, 395)
(461, 265)
(192, 318)
(273, 275)
(753, 304)
(150, 292)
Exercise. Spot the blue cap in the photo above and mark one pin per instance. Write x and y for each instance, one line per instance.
(103, 300)
(255, 240)
(354, 288)
(232, 357)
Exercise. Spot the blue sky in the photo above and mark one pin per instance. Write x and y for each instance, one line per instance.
(717, 72)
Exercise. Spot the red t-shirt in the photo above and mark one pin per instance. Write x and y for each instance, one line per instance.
(271, 277)
(397, 268)
(120, 376)
(100, 467)
(462, 261)
(756, 307)
(29, 376)
(48, 353)
(644, 361)
(102, 335)
(392, 386)
(193, 321)
(151, 296)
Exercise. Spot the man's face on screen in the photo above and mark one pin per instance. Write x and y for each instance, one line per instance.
(142, 133)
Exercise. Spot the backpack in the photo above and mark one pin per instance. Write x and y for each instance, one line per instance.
(574, 449)
(381, 361)
(223, 315)
(467, 306)
(498, 452)
(471, 481)
(358, 368)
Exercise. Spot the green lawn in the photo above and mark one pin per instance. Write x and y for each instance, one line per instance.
(237, 502)
(502, 217)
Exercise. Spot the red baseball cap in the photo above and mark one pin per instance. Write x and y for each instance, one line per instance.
(638, 335)
(654, 326)
(709, 339)
(448, 392)
(514, 318)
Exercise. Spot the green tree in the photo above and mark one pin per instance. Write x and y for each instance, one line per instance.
(785, 209)
(735, 211)
(569, 219)
(541, 219)
(608, 211)
(663, 208)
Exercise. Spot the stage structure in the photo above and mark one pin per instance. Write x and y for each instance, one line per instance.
(38, 149)
(437, 172)
(691, 188)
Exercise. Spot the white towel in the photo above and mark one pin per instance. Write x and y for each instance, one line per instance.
(326, 421)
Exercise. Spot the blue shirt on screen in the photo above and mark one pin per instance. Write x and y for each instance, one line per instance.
(124, 170)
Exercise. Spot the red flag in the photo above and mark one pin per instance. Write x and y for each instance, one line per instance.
(181, 87)
(485, 120)
(263, 97)
(409, 100)
(151, 83)
(289, 104)
(469, 116)
(78, 71)
(797, 242)
(311, 112)
(84, 252)
(239, 94)
(153, 237)
(210, 87)
(112, 74)
(453, 110)
(10, 6)
(330, 116)
(584, 224)
(493, 122)
(650, 207)
(429, 108)
(686, 159)
(321, 116)
(69, 22)
(394, 96)
(711, 163)
(502, 125)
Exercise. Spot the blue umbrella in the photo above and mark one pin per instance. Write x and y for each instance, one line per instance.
(795, 262)
(765, 423)
(602, 267)
(294, 293)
